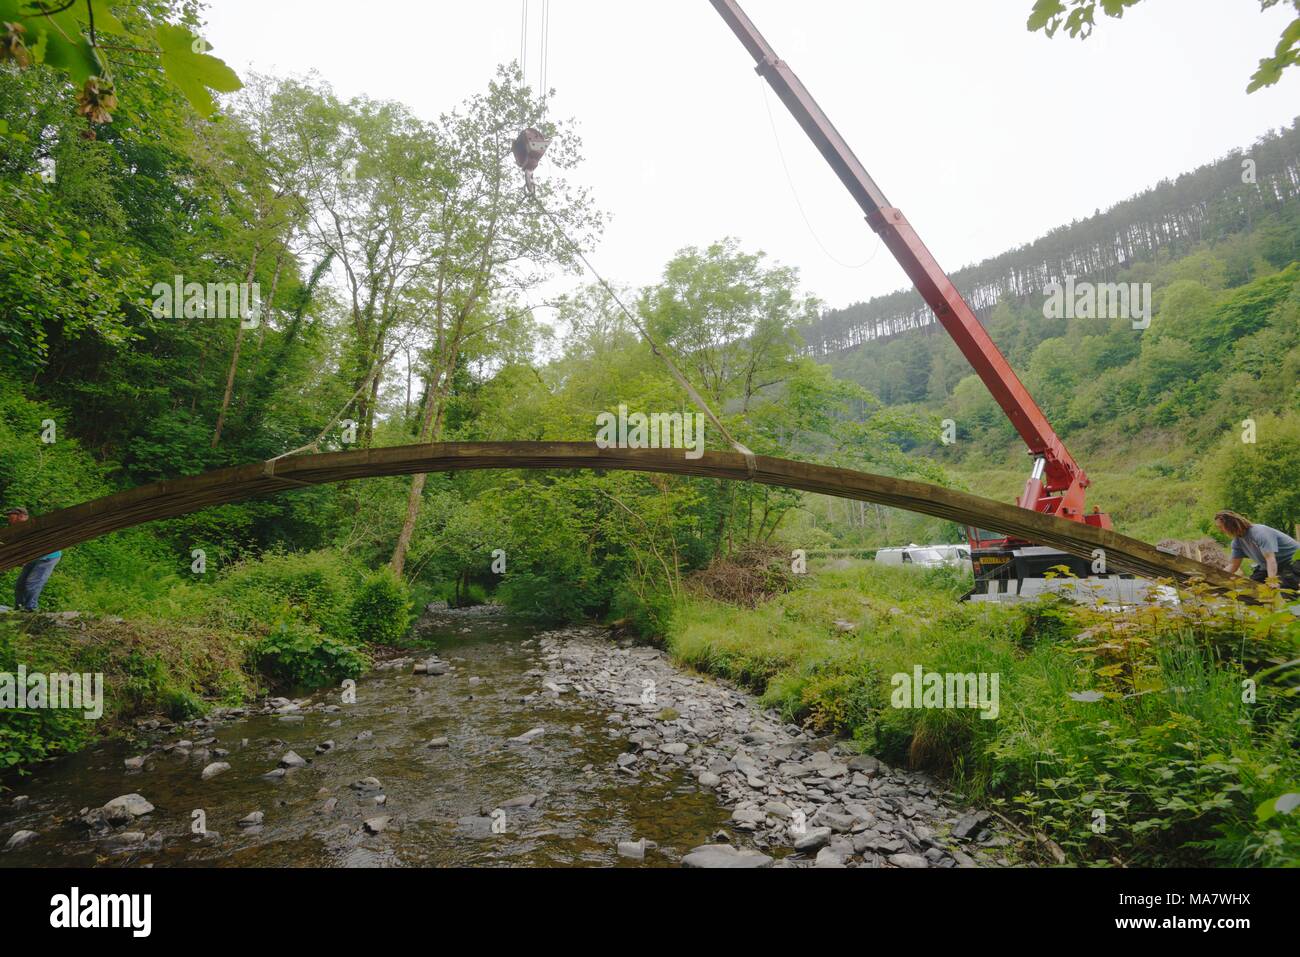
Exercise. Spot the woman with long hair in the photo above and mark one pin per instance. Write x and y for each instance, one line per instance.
(1272, 551)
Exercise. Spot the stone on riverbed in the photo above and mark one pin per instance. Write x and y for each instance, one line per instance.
(366, 784)
(436, 743)
(252, 820)
(213, 769)
(866, 764)
(528, 736)
(829, 857)
(747, 817)
(812, 839)
(632, 849)
(135, 763)
(377, 825)
(120, 810)
(908, 860)
(292, 759)
(968, 824)
(124, 808)
(124, 841)
(19, 839)
(724, 856)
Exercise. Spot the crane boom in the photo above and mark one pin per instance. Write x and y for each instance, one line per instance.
(1057, 483)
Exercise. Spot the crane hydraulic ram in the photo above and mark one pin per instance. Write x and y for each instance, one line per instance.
(1057, 483)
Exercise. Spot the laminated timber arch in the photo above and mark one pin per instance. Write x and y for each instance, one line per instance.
(168, 499)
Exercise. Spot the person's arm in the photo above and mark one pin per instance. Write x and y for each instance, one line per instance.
(1270, 562)
(1233, 566)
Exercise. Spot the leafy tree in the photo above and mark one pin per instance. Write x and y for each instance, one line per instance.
(731, 318)
(1259, 480)
(493, 242)
(1078, 17)
(84, 41)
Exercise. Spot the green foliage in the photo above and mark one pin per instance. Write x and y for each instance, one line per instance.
(80, 38)
(299, 656)
(33, 734)
(1163, 746)
(648, 615)
(148, 667)
(313, 588)
(1260, 479)
(1078, 17)
(381, 611)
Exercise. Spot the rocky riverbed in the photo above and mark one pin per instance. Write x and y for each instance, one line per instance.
(490, 745)
(812, 801)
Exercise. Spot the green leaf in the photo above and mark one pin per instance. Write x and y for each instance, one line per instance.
(105, 22)
(58, 42)
(194, 73)
(1282, 804)
(1043, 12)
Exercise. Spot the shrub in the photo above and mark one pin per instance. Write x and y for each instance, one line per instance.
(1259, 479)
(381, 611)
(752, 574)
(315, 588)
(548, 598)
(298, 655)
(648, 616)
(34, 734)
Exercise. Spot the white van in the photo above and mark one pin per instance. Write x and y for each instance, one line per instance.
(926, 556)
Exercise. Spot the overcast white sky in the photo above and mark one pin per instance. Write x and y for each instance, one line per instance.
(984, 135)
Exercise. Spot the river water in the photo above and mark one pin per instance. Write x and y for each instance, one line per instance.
(438, 801)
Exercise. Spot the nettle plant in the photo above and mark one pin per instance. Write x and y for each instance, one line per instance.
(85, 40)
(1181, 749)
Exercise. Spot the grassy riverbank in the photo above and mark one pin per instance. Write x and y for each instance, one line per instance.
(284, 621)
(173, 670)
(1124, 739)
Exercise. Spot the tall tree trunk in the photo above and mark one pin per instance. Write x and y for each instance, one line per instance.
(270, 300)
(430, 429)
(448, 349)
(234, 358)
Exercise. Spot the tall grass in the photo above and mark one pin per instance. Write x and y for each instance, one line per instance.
(1124, 739)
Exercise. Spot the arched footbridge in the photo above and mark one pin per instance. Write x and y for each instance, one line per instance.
(168, 499)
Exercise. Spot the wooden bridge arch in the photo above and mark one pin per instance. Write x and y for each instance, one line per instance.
(172, 497)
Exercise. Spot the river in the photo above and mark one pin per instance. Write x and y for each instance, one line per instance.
(526, 749)
(578, 819)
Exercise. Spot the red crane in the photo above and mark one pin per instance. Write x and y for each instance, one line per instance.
(1057, 483)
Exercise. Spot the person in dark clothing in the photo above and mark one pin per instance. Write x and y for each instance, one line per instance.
(1272, 551)
(34, 575)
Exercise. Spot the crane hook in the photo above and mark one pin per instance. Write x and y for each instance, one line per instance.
(529, 147)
